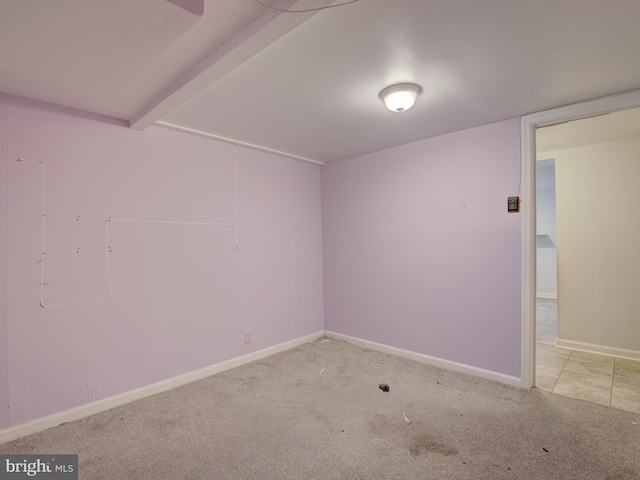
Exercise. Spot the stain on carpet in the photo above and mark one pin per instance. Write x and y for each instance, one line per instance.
(622, 474)
(426, 444)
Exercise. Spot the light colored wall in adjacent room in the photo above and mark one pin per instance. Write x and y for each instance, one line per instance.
(420, 252)
(182, 295)
(598, 229)
(546, 268)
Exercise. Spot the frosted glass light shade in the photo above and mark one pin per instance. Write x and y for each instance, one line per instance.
(401, 97)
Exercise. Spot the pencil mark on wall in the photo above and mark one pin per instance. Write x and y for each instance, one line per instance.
(43, 284)
(235, 163)
(92, 390)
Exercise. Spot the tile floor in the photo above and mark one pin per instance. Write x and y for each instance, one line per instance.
(610, 381)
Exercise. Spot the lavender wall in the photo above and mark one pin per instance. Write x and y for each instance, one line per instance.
(182, 295)
(4, 326)
(420, 252)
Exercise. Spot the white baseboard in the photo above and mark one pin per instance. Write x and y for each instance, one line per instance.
(546, 295)
(93, 408)
(599, 349)
(434, 361)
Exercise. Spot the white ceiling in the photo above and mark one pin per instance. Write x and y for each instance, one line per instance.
(307, 84)
(587, 131)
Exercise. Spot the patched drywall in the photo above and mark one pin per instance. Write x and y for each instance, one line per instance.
(160, 250)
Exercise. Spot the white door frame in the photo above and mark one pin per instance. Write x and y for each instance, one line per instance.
(529, 123)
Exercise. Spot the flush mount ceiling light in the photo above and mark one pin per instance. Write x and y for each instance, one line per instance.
(400, 97)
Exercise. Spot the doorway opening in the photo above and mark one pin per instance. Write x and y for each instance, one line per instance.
(529, 125)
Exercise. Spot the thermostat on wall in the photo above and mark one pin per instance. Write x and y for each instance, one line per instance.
(513, 204)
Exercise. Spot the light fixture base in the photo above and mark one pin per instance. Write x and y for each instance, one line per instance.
(400, 97)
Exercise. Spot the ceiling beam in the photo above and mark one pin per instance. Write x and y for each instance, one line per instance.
(236, 142)
(266, 29)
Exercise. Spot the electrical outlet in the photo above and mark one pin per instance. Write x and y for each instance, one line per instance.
(248, 336)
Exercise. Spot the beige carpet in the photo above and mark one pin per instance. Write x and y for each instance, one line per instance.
(316, 412)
